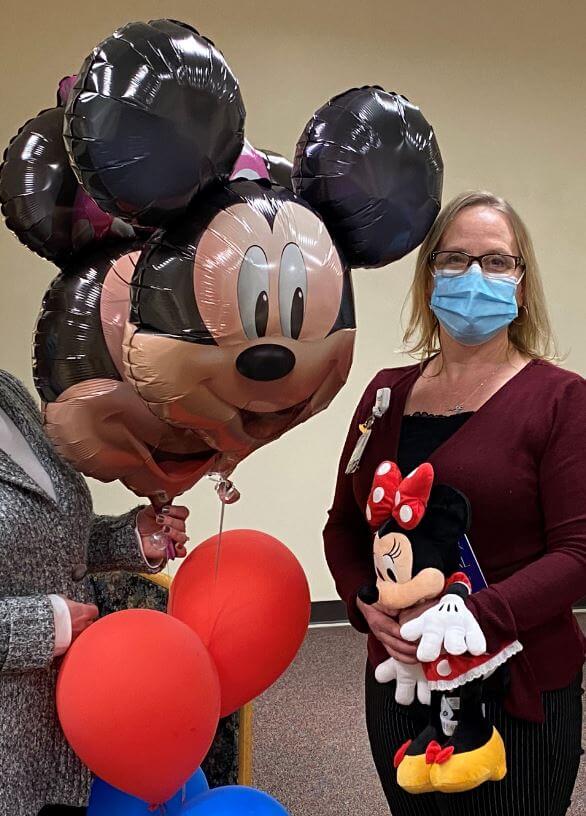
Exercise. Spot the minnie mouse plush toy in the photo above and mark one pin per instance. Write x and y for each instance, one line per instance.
(416, 555)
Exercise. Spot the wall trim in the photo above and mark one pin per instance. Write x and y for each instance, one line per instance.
(328, 612)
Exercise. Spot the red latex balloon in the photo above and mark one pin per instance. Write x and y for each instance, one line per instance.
(252, 617)
(138, 700)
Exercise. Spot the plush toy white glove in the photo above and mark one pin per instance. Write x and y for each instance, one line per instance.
(410, 678)
(449, 625)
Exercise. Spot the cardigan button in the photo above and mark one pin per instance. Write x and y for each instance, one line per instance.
(79, 572)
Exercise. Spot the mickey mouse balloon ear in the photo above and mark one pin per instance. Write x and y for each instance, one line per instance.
(369, 163)
(155, 115)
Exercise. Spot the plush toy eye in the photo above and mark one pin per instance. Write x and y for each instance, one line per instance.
(380, 575)
(292, 291)
(253, 293)
(391, 575)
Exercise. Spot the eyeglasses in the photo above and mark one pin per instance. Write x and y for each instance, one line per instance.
(493, 265)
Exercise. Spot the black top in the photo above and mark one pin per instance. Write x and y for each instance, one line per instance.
(422, 433)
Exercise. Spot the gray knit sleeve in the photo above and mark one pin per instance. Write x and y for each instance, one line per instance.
(27, 633)
(113, 544)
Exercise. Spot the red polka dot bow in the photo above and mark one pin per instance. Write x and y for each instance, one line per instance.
(405, 500)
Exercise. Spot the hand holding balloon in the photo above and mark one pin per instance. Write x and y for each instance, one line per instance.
(82, 615)
(162, 532)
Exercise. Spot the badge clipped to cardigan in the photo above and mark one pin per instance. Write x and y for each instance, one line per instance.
(379, 409)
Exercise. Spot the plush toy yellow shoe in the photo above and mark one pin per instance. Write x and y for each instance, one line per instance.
(456, 771)
(414, 761)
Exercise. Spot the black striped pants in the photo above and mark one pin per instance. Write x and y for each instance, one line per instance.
(542, 759)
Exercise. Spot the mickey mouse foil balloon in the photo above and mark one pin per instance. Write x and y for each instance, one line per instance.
(204, 304)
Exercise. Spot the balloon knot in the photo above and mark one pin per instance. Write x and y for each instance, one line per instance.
(227, 492)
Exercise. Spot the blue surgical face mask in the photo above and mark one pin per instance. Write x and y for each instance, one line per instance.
(473, 308)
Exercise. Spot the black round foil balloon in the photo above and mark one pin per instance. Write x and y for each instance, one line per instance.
(37, 187)
(279, 168)
(155, 115)
(369, 163)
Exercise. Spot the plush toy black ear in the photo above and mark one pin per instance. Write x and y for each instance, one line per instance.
(435, 539)
(369, 163)
(448, 512)
(37, 187)
(155, 116)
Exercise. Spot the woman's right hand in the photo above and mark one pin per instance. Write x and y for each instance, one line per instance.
(387, 630)
(82, 615)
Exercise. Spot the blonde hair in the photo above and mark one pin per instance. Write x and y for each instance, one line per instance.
(530, 333)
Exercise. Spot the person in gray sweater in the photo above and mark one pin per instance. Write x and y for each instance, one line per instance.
(50, 542)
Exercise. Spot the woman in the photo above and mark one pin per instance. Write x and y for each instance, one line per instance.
(507, 428)
(50, 541)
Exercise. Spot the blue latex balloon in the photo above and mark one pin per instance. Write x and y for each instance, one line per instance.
(108, 801)
(234, 800)
(193, 788)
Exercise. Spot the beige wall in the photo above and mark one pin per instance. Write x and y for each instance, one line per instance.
(501, 81)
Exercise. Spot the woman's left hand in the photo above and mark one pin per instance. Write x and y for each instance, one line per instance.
(170, 521)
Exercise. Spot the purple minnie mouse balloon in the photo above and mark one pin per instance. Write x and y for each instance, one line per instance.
(41, 199)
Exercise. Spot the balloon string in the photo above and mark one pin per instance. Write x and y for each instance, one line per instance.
(227, 494)
(219, 544)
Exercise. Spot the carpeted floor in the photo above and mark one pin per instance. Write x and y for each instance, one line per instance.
(310, 745)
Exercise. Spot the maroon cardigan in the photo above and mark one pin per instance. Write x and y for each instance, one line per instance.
(521, 460)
